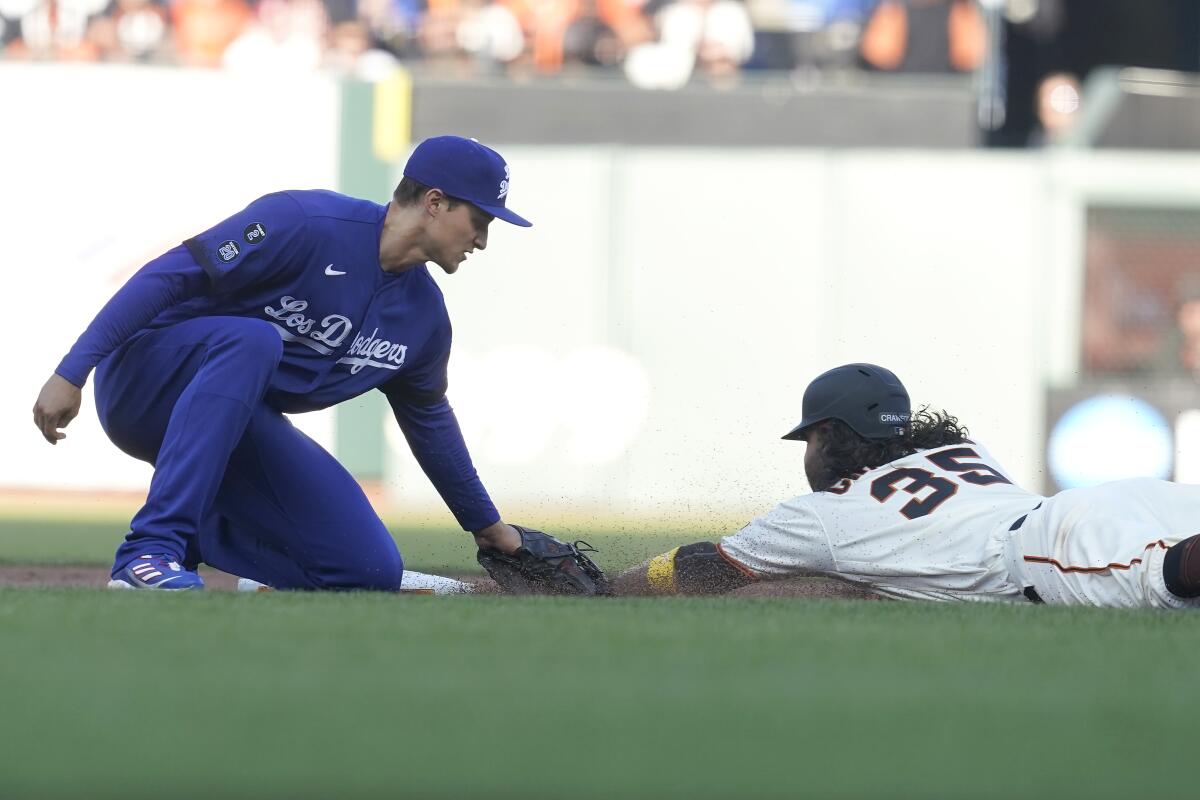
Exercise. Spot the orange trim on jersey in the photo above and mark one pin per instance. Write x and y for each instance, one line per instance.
(739, 566)
(1115, 565)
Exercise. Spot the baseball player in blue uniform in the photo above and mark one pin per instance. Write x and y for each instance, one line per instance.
(298, 302)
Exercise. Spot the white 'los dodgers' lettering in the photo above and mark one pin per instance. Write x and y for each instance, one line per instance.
(334, 328)
(367, 351)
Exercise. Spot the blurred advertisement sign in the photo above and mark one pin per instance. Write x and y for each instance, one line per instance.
(1136, 413)
(1141, 303)
(1104, 431)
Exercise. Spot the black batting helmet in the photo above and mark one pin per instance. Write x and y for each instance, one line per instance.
(870, 399)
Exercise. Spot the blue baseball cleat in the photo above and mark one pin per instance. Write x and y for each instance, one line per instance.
(155, 572)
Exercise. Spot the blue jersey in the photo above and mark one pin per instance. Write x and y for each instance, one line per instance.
(307, 262)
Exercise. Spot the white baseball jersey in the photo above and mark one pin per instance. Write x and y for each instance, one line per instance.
(949, 524)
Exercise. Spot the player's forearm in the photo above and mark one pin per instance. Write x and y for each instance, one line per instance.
(698, 568)
(166, 281)
(633, 581)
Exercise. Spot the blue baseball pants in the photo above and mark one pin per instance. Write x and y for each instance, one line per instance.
(235, 485)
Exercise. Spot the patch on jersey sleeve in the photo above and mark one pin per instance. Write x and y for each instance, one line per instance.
(228, 251)
(255, 233)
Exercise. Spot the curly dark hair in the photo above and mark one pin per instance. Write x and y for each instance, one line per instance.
(845, 454)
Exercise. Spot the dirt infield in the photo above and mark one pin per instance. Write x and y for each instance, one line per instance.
(97, 577)
(808, 588)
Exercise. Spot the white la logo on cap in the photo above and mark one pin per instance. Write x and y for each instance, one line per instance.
(504, 183)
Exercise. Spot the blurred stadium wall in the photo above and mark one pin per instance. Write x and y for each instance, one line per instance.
(651, 335)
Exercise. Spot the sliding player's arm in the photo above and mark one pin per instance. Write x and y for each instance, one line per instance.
(787, 542)
(700, 568)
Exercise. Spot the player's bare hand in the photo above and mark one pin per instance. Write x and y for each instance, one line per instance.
(498, 536)
(56, 406)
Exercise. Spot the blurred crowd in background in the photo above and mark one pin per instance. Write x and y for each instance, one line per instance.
(1142, 309)
(654, 43)
(1029, 59)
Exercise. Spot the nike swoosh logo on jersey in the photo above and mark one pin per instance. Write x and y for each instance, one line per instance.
(329, 270)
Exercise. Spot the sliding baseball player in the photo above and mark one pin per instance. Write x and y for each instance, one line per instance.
(908, 507)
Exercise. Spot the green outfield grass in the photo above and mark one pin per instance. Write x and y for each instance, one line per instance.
(41, 540)
(307, 695)
(108, 694)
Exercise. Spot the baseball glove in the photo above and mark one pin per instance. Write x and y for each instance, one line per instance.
(544, 565)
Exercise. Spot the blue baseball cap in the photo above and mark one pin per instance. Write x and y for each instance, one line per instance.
(466, 170)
